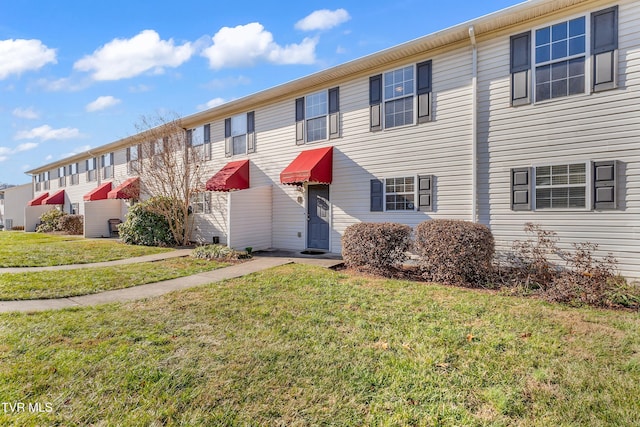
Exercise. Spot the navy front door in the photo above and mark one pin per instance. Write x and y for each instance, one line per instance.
(318, 217)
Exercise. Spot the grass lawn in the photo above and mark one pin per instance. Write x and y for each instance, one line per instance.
(53, 284)
(20, 249)
(300, 345)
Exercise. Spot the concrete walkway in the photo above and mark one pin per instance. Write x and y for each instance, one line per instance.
(257, 263)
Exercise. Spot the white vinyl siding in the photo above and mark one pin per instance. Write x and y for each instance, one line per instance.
(573, 129)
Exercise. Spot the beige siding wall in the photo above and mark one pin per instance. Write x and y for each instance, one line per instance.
(206, 226)
(15, 200)
(97, 216)
(599, 126)
(250, 218)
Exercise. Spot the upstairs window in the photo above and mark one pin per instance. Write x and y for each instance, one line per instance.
(400, 97)
(239, 134)
(560, 59)
(91, 169)
(62, 176)
(107, 165)
(566, 58)
(318, 116)
(73, 172)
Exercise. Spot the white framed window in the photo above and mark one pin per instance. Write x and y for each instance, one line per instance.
(398, 89)
(560, 56)
(74, 208)
(316, 116)
(562, 186)
(400, 193)
(201, 203)
(62, 176)
(107, 165)
(91, 169)
(570, 57)
(239, 134)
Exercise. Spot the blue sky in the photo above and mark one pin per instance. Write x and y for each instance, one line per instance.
(79, 74)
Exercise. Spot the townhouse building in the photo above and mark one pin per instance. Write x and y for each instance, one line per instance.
(529, 114)
(12, 202)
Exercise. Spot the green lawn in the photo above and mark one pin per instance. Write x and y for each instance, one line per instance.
(20, 249)
(300, 345)
(53, 284)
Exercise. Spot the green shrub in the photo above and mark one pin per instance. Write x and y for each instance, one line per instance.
(50, 221)
(378, 248)
(455, 251)
(72, 224)
(145, 227)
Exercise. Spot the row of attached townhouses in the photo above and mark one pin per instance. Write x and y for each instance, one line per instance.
(529, 114)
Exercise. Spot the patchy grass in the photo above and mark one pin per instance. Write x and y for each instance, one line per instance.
(19, 249)
(57, 284)
(299, 345)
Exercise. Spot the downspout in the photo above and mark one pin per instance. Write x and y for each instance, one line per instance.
(474, 126)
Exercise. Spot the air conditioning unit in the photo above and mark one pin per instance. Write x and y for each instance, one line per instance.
(8, 224)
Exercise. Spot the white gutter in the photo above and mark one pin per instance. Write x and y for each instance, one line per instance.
(474, 126)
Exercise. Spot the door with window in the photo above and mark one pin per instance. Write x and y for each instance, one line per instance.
(318, 217)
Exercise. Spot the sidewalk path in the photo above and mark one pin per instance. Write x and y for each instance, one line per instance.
(256, 264)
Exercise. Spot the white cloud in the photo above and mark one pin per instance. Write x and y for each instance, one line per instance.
(245, 45)
(227, 82)
(25, 147)
(25, 113)
(17, 56)
(3, 158)
(77, 150)
(46, 132)
(139, 88)
(102, 102)
(323, 20)
(213, 103)
(49, 157)
(63, 84)
(125, 58)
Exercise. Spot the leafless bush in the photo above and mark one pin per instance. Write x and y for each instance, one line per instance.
(378, 248)
(454, 251)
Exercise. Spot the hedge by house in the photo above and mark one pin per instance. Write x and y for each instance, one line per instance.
(376, 247)
(145, 227)
(455, 251)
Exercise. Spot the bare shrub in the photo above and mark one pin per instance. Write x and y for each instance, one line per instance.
(454, 251)
(378, 248)
(584, 279)
(530, 258)
(72, 224)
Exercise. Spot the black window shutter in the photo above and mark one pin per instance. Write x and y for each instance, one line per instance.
(334, 113)
(520, 67)
(377, 194)
(424, 91)
(521, 189)
(604, 42)
(189, 139)
(605, 185)
(604, 30)
(128, 156)
(375, 101)
(251, 132)
(425, 193)
(227, 137)
(300, 121)
(207, 133)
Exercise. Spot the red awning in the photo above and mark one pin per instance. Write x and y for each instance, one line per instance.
(310, 166)
(98, 193)
(234, 176)
(130, 189)
(38, 200)
(55, 199)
